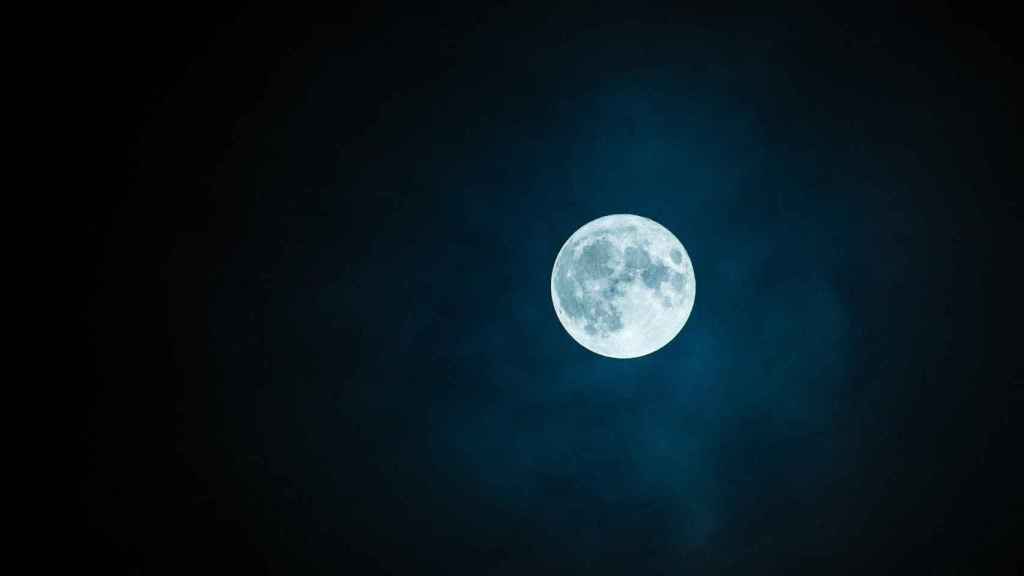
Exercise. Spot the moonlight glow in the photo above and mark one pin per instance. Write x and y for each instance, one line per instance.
(623, 286)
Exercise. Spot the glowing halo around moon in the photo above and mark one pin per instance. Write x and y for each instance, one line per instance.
(623, 286)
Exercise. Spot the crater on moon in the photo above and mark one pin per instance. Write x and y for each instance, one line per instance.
(622, 286)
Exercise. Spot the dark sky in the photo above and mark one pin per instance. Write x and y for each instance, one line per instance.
(320, 317)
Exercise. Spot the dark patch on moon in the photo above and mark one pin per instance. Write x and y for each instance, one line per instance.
(617, 287)
(678, 281)
(636, 258)
(676, 256)
(595, 260)
(654, 275)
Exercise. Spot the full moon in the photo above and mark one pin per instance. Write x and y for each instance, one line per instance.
(623, 286)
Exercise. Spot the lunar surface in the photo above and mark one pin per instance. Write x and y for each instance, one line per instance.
(623, 286)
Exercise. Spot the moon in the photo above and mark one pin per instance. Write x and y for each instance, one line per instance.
(623, 286)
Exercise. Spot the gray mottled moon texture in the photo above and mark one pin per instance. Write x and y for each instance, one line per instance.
(623, 286)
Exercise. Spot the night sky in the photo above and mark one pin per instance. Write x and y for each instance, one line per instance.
(319, 323)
